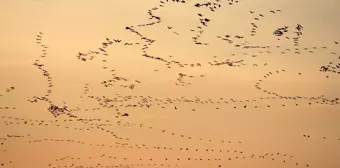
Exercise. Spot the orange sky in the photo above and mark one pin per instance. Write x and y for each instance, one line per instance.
(270, 107)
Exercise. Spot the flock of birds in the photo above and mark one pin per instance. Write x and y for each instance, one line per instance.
(67, 118)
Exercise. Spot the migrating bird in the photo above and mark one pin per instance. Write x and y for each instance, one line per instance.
(125, 115)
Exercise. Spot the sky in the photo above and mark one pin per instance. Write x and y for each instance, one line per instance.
(157, 83)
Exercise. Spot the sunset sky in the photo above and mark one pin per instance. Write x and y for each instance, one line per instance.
(240, 96)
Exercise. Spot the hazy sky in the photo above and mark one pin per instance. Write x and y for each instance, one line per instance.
(207, 99)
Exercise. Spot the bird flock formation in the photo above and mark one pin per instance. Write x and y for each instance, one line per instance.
(122, 98)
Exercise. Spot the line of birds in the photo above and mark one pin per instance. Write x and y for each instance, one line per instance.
(110, 158)
(319, 100)
(136, 146)
(271, 156)
(130, 101)
(60, 123)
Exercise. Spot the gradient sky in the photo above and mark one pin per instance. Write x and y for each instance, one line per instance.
(73, 26)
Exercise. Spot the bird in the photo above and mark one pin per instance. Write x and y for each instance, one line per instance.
(125, 115)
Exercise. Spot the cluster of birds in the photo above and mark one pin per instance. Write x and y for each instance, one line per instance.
(102, 52)
(333, 68)
(180, 79)
(257, 17)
